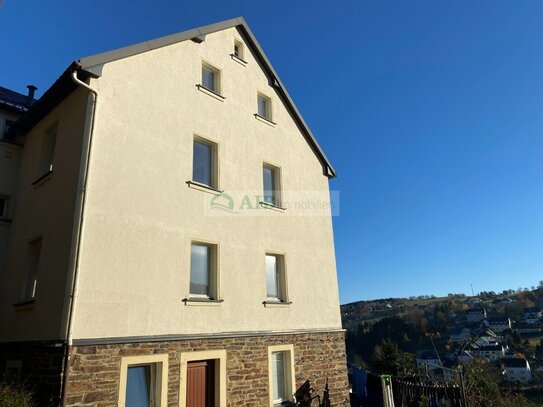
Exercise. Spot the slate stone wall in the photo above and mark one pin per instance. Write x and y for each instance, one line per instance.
(93, 378)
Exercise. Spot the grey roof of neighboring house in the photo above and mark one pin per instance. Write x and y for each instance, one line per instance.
(457, 330)
(475, 311)
(14, 100)
(427, 355)
(499, 320)
(515, 362)
(92, 66)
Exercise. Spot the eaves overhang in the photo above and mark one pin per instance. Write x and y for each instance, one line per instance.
(91, 66)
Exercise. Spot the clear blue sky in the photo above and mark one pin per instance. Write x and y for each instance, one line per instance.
(431, 112)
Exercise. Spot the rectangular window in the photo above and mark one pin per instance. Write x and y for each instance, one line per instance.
(30, 280)
(48, 150)
(275, 278)
(144, 381)
(281, 374)
(203, 270)
(211, 78)
(9, 133)
(264, 106)
(271, 185)
(204, 163)
(3, 206)
(279, 391)
(238, 49)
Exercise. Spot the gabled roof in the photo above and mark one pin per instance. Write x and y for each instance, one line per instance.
(515, 362)
(92, 66)
(458, 330)
(14, 100)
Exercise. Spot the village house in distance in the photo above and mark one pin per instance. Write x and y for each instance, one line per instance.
(118, 287)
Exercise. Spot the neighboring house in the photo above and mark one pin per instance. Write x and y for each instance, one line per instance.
(459, 334)
(12, 106)
(475, 315)
(498, 324)
(465, 357)
(516, 370)
(532, 315)
(489, 352)
(131, 276)
(427, 358)
(450, 371)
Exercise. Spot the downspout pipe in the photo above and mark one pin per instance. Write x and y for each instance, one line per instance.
(78, 226)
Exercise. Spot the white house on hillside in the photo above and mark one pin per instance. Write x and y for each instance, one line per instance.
(516, 370)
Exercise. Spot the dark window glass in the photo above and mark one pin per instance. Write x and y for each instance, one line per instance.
(269, 186)
(209, 79)
(202, 165)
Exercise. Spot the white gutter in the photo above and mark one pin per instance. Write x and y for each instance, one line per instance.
(85, 156)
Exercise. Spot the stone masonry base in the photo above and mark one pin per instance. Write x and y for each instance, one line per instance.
(93, 376)
(40, 368)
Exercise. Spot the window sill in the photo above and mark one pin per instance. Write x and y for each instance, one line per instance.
(5, 221)
(43, 179)
(277, 304)
(239, 60)
(24, 305)
(211, 93)
(203, 302)
(272, 207)
(204, 188)
(265, 120)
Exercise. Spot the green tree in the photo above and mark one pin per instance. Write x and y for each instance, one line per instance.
(387, 358)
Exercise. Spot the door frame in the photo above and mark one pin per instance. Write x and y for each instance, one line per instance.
(219, 356)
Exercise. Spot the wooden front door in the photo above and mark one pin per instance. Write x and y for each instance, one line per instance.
(201, 384)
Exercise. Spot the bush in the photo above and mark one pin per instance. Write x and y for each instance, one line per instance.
(14, 396)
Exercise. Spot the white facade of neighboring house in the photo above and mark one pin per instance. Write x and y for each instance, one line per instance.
(459, 334)
(499, 325)
(532, 315)
(489, 352)
(517, 370)
(427, 359)
(465, 357)
(475, 315)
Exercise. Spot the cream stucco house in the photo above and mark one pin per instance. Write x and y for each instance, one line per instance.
(128, 281)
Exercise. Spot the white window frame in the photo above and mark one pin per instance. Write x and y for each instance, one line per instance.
(217, 82)
(290, 377)
(219, 356)
(213, 289)
(282, 285)
(277, 184)
(160, 360)
(30, 277)
(48, 147)
(214, 160)
(269, 107)
(241, 49)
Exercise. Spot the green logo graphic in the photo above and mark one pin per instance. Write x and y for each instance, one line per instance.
(223, 202)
